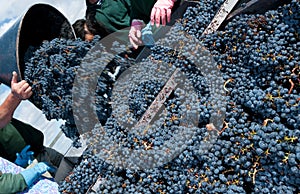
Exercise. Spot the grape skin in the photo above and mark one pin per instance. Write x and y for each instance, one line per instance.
(258, 148)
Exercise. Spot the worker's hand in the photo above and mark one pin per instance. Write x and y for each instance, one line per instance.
(135, 34)
(25, 157)
(32, 174)
(20, 90)
(161, 12)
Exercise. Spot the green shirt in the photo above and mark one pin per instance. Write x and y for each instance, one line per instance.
(11, 183)
(141, 9)
(11, 142)
(114, 15)
(15, 136)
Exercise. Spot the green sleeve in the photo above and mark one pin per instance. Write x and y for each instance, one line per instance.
(114, 15)
(141, 9)
(11, 183)
(11, 142)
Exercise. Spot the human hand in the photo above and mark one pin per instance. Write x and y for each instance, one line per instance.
(25, 157)
(135, 33)
(32, 174)
(161, 12)
(20, 90)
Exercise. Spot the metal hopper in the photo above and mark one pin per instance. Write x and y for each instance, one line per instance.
(40, 22)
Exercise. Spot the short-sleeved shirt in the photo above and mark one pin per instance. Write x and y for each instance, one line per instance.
(15, 136)
(11, 142)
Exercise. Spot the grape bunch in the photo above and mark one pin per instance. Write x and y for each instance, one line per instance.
(51, 69)
(258, 56)
(257, 150)
(171, 175)
(143, 96)
(80, 183)
(105, 83)
(257, 146)
(197, 17)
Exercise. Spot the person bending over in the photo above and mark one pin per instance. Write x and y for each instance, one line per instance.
(102, 18)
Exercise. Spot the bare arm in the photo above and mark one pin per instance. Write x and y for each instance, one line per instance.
(19, 91)
(93, 1)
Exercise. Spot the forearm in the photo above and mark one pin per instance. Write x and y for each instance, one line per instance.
(19, 91)
(91, 2)
(7, 109)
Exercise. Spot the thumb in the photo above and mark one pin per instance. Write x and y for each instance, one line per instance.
(50, 167)
(14, 77)
(45, 166)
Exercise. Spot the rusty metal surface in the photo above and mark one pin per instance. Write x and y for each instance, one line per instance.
(221, 15)
(171, 84)
(158, 102)
(167, 89)
(256, 6)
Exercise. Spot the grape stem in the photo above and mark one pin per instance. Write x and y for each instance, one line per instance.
(223, 129)
(255, 171)
(224, 86)
(292, 86)
(265, 123)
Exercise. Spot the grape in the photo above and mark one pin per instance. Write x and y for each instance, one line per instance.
(257, 150)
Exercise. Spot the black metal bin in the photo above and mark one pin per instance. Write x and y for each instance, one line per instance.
(40, 22)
